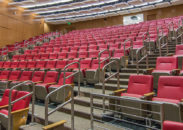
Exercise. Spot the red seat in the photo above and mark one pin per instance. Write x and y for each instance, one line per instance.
(22, 57)
(65, 49)
(1, 64)
(29, 57)
(93, 54)
(103, 47)
(179, 50)
(61, 64)
(14, 65)
(5, 99)
(14, 75)
(6, 64)
(53, 56)
(37, 57)
(4, 75)
(41, 64)
(92, 48)
(171, 125)
(56, 50)
(95, 64)
(83, 54)
(15, 57)
(118, 53)
(38, 76)
(62, 55)
(83, 48)
(50, 64)
(50, 78)
(44, 56)
(31, 64)
(72, 55)
(73, 66)
(28, 52)
(22, 64)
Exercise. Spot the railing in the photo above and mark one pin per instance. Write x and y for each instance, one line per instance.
(71, 100)
(115, 108)
(105, 59)
(110, 76)
(12, 102)
(131, 49)
(181, 38)
(158, 31)
(77, 72)
(162, 42)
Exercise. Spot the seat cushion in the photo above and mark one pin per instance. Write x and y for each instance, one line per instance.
(165, 100)
(4, 111)
(162, 71)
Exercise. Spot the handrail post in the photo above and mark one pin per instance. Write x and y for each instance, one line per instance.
(131, 49)
(91, 112)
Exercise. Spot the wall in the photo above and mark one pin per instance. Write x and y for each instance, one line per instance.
(116, 20)
(14, 27)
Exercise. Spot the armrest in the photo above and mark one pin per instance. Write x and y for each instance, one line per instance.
(148, 95)
(20, 111)
(51, 83)
(12, 80)
(148, 71)
(38, 82)
(3, 107)
(54, 125)
(118, 92)
(175, 72)
(170, 54)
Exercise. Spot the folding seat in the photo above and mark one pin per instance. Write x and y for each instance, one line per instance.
(31, 64)
(172, 125)
(15, 57)
(74, 49)
(40, 65)
(50, 65)
(92, 74)
(50, 78)
(14, 65)
(6, 64)
(179, 55)
(83, 48)
(1, 64)
(34, 52)
(44, 56)
(103, 47)
(140, 87)
(14, 76)
(19, 112)
(62, 55)
(5, 98)
(82, 55)
(37, 57)
(22, 65)
(65, 49)
(170, 92)
(106, 54)
(73, 66)
(61, 64)
(53, 56)
(92, 48)
(93, 54)
(113, 46)
(42, 50)
(49, 50)
(25, 76)
(29, 57)
(72, 55)
(59, 97)
(27, 52)
(56, 50)
(3, 79)
(164, 66)
(22, 57)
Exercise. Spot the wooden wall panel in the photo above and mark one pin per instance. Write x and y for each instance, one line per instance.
(14, 27)
(117, 20)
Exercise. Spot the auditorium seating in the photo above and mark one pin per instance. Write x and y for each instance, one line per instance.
(5, 98)
(171, 125)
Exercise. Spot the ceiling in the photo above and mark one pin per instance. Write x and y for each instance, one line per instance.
(63, 11)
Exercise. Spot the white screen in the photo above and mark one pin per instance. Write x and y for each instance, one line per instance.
(133, 19)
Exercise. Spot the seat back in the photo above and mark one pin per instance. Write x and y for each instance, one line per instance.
(53, 56)
(22, 57)
(95, 64)
(1, 63)
(85, 64)
(118, 53)
(170, 87)
(31, 64)
(29, 57)
(26, 75)
(67, 81)
(6, 64)
(24, 103)
(140, 84)
(4, 75)
(93, 54)
(5, 98)
(62, 55)
(73, 66)
(72, 55)
(61, 64)
(14, 64)
(41, 64)
(83, 54)
(15, 57)
(38, 76)
(171, 125)
(22, 64)
(166, 63)
(179, 50)
(14, 75)
(50, 64)
(44, 56)
(51, 77)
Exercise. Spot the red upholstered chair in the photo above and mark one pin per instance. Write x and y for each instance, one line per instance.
(164, 66)
(14, 65)
(62, 55)
(44, 56)
(5, 98)
(58, 98)
(22, 57)
(15, 57)
(72, 55)
(1, 64)
(37, 57)
(22, 65)
(93, 48)
(14, 76)
(139, 87)
(170, 91)
(53, 56)
(103, 47)
(40, 64)
(25, 76)
(3, 79)
(29, 57)
(179, 55)
(171, 125)
(6, 64)
(31, 65)
(19, 112)
(42, 88)
(50, 64)
(61, 64)
(82, 55)
(93, 54)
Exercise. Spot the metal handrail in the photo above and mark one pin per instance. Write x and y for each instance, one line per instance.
(158, 30)
(10, 103)
(171, 25)
(117, 99)
(79, 71)
(179, 36)
(105, 59)
(110, 76)
(145, 56)
(71, 100)
(131, 48)
(163, 39)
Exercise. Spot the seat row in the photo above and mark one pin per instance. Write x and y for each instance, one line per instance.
(45, 82)
(169, 92)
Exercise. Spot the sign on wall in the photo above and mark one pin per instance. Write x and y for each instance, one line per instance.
(133, 19)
